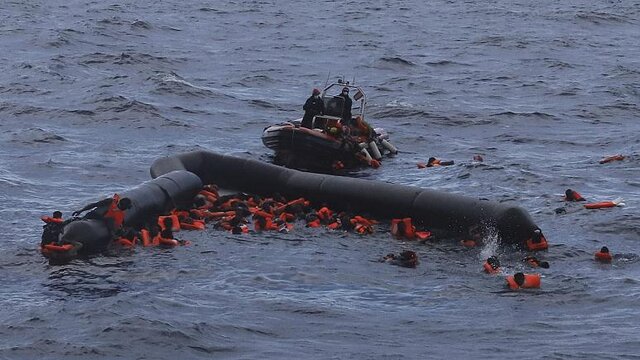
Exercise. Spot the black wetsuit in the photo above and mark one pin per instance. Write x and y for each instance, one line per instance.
(312, 107)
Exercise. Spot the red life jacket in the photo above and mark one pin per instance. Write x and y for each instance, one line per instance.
(115, 213)
(490, 269)
(540, 245)
(604, 257)
(146, 237)
(531, 281)
(49, 219)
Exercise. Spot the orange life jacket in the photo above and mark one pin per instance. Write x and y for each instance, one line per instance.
(468, 243)
(535, 246)
(49, 219)
(57, 248)
(490, 269)
(314, 224)
(334, 225)
(604, 257)
(608, 159)
(196, 225)
(209, 195)
(146, 237)
(115, 213)
(531, 281)
(324, 213)
(600, 205)
(126, 242)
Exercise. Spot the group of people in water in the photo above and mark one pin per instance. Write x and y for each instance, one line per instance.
(244, 213)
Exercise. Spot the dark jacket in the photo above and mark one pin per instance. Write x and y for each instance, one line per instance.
(346, 109)
(312, 107)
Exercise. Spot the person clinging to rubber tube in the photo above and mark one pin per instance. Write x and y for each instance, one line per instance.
(111, 210)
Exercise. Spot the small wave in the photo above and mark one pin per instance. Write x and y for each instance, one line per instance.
(444, 63)
(139, 24)
(390, 63)
(533, 114)
(396, 60)
(124, 58)
(597, 17)
(174, 84)
(36, 135)
(262, 104)
(120, 103)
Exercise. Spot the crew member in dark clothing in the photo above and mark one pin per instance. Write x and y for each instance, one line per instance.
(312, 107)
(346, 108)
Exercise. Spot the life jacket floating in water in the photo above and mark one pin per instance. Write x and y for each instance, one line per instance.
(529, 281)
(608, 159)
(605, 204)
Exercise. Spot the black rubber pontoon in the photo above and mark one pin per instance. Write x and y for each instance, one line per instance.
(436, 210)
(154, 197)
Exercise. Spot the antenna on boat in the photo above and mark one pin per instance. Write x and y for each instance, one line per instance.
(354, 80)
(327, 81)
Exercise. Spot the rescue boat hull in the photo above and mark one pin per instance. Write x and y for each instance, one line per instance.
(298, 147)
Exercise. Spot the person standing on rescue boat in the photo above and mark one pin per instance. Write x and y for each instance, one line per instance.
(346, 108)
(312, 107)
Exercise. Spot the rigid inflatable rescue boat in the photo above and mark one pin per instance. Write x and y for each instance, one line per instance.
(330, 138)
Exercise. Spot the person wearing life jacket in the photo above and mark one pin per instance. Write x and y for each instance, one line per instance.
(128, 239)
(492, 265)
(437, 162)
(405, 259)
(325, 215)
(604, 256)
(111, 210)
(313, 221)
(404, 228)
(52, 228)
(537, 241)
(571, 195)
(608, 159)
(534, 262)
(523, 281)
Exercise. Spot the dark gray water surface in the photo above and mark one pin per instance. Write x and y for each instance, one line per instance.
(91, 92)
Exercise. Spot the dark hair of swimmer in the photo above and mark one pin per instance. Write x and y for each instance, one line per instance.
(167, 222)
(519, 278)
(167, 234)
(604, 249)
(198, 201)
(494, 262)
(124, 204)
(544, 264)
(57, 214)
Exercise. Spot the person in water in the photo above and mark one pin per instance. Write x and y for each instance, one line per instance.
(312, 107)
(111, 210)
(52, 229)
(346, 108)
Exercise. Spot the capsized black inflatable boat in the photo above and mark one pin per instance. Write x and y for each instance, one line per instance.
(153, 197)
(436, 210)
